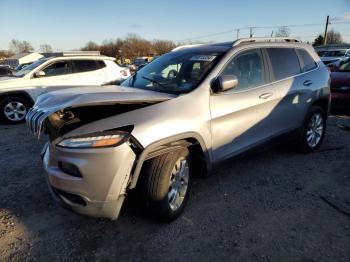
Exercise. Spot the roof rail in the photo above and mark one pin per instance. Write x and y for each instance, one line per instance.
(265, 39)
(184, 46)
(81, 53)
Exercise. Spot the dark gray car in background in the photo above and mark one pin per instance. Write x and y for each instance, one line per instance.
(180, 115)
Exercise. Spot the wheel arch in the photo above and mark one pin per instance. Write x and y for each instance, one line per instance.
(21, 94)
(324, 103)
(192, 140)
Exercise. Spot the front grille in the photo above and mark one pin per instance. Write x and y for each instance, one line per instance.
(35, 119)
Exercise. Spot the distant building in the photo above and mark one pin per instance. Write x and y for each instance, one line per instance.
(22, 58)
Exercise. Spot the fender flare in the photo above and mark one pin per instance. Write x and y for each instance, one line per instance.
(165, 141)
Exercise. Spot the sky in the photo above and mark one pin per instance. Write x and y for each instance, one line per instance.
(70, 24)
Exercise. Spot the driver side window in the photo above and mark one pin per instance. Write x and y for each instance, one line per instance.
(58, 68)
(248, 67)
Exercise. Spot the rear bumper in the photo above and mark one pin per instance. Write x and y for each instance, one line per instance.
(95, 181)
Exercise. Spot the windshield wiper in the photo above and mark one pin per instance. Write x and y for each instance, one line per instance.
(155, 81)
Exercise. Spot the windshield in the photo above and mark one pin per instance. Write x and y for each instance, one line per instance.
(335, 53)
(29, 68)
(175, 72)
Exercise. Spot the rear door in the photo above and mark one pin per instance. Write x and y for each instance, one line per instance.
(288, 80)
(88, 72)
(241, 117)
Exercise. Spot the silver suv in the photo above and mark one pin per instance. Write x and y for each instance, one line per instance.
(177, 117)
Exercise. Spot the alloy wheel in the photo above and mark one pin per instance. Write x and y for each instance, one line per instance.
(178, 184)
(15, 111)
(314, 130)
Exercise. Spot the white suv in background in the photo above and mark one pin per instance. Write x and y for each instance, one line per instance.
(19, 92)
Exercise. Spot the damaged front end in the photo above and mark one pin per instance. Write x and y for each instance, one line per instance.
(89, 172)
(57, 113)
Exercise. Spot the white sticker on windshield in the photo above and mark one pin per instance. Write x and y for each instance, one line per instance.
(208, 58)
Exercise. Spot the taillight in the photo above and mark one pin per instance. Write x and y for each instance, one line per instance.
(124, 72)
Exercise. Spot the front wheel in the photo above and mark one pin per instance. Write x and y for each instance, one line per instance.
(313, 130)
(166, 184)
(13, 109)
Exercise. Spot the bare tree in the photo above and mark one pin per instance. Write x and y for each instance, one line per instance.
(162, 46)
(283, 31)
(5, 54)
(91, 46)
(334, 37)
(130, 47)
(45, 48)
(134, 46)
(17, 46)
(27, 47)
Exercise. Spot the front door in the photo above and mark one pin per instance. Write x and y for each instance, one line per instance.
(58, 73)
(242, 117)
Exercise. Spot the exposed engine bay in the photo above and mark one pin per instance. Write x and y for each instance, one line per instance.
(68, 119)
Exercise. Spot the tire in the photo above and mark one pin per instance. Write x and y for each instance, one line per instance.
(313, 130)
(13, 109)
(165, 187)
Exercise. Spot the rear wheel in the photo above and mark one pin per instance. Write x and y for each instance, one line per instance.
(313, 130)
(13, 110)
(166, 184)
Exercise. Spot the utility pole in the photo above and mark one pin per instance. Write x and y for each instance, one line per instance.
(325, 31)
(251, 31)
(237, 33)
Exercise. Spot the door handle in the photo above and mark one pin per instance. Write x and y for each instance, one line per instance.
(307, 83)
(265, 95)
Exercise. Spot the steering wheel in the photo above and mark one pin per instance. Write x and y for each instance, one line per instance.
(172, 74)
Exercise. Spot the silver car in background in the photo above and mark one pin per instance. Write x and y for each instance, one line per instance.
(179, 116)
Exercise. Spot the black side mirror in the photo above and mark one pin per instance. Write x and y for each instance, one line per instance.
(224, 83)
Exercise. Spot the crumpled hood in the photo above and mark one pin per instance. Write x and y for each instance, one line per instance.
(91, 95)
(52, 102)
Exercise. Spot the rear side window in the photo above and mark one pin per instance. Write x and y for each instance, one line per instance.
(307, 62)
(284, 62)
(100, 64)
(81, 66)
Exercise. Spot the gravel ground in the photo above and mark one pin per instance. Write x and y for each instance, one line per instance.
(263, 207)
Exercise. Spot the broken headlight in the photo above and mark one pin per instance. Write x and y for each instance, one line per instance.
(99, 140)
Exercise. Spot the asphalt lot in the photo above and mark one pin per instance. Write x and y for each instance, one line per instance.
(263, 207)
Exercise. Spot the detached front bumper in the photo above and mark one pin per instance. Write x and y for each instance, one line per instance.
(92, 182)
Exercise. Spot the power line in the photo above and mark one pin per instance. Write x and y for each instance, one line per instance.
(260, 27)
